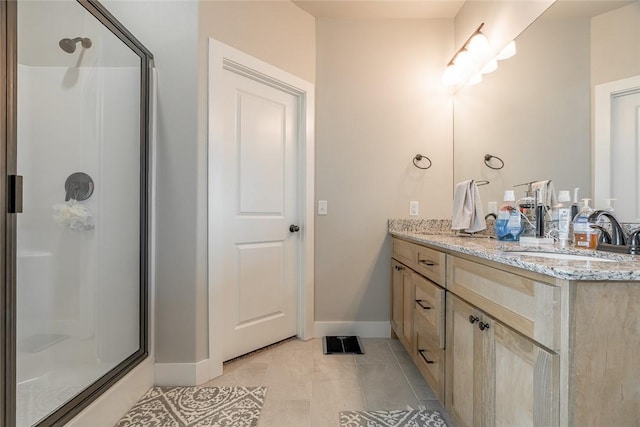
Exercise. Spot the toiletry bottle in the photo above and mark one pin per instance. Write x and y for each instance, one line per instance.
(609, 206)
(540, 211)
(528, 209)
(575, 207)
(584, 236)
(508, 225)
(563, 213)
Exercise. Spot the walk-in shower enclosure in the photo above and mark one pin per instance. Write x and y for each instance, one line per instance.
(74, 183)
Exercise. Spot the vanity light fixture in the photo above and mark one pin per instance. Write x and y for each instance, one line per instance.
(474, 59)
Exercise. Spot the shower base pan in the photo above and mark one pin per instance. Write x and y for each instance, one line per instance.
(342, 345)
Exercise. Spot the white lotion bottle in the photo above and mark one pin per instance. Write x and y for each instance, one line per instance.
(564, 218)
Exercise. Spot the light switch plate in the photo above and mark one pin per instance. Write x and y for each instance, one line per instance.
(322, 207)
(414, 208)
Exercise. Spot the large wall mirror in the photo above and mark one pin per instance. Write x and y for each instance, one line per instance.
(536, 112)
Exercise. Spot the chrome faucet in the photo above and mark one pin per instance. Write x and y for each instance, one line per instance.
(634, 242)
(617, 233)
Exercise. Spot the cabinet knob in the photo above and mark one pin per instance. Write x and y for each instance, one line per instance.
(483, 326)
(398, 268)
(473, 319)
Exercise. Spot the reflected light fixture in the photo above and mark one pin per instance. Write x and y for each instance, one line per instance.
(473, 59)
(507, 52)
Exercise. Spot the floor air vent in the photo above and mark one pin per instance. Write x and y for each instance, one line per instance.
(342, 345)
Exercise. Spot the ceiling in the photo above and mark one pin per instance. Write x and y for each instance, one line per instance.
(434, 9)
(584, 8)
(387, 9)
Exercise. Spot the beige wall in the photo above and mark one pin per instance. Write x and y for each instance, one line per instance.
(379, 102)
(615, 44)
(177, 33)
(538, 123)
(277, 32)
(169, 30)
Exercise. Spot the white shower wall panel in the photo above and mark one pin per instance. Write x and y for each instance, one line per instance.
(64, 127)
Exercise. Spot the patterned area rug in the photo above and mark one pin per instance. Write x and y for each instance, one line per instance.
(421, 418)
(197, 407)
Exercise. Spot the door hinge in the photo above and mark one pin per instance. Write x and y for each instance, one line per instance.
(15, 193)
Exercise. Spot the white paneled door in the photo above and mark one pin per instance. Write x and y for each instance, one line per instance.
(617, 147)
(625, 154)
(257, 224)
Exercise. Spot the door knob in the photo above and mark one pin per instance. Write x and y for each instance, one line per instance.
(294, 228)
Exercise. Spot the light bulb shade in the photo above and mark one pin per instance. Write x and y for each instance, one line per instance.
(451, 76)
(463, 60)
(508, 51)
(477, 78)
(478, 45)
(490, 67)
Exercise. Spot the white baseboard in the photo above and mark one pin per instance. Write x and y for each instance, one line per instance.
(361, 329)
(182, 374)
(115, 402)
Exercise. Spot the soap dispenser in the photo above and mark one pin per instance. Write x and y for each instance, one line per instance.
(584, 236)
(508, 224)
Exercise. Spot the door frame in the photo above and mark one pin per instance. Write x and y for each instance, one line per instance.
(223, 57)
(604, 94)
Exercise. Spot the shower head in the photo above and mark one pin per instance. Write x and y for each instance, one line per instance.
(69, 45)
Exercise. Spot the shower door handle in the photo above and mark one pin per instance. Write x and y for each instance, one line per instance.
(15, 194)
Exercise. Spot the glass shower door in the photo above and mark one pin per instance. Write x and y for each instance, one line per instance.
(80, 250)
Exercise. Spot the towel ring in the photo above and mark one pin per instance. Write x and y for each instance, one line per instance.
(481, 182)
(489, 157)
(418, 158)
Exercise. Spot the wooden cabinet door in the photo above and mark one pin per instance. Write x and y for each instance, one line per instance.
(397, 290)
(408, 300)
(464, 363)
(522, 381)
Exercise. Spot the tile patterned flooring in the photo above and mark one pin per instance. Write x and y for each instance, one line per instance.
(308, 388)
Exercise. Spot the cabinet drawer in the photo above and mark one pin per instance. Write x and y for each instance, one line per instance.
(404, 252)
(428, 262)
(429, 358)
(526, 305)
(429, 308)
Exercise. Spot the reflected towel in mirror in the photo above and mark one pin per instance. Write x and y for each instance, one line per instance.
(547, 192)
(468, 214)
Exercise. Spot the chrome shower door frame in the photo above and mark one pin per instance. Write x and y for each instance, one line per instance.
(8, 226)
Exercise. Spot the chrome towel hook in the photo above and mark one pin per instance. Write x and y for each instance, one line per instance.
(489, 157)
(419, 158)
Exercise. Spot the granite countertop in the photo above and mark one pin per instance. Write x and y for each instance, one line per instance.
(436, 235)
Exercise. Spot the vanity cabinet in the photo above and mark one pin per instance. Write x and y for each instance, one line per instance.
(401, 303)
(502, 345)
(495, 376)
(418, 308)
(499, 375)
(429, 333)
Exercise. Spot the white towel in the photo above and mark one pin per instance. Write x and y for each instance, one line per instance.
(547, 195)
(468, 214)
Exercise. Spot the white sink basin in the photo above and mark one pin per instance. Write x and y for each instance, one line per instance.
(553, 255)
